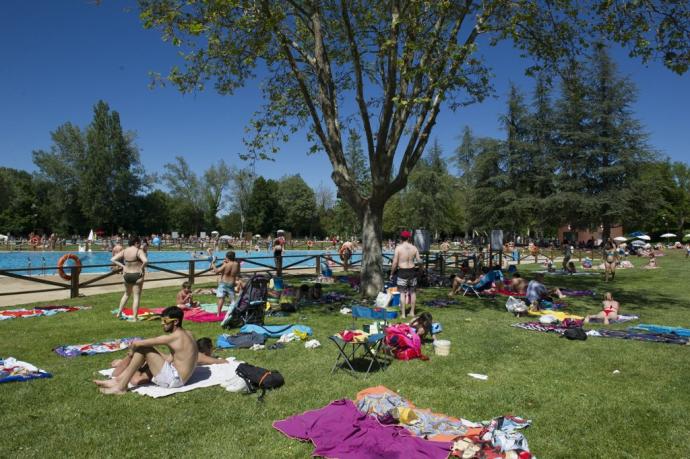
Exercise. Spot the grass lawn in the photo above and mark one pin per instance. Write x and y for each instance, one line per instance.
(578, 406)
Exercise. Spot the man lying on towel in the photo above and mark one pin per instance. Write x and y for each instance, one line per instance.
(144, 363)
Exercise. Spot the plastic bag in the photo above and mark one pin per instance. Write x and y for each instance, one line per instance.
(515, 305)
(382, 299)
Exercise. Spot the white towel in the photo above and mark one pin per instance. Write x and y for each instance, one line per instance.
(204, 376)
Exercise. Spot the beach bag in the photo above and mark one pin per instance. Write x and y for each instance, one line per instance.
(404, 342)
(576, 333)
(259, 378)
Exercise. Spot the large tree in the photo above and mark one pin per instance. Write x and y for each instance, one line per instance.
(298, 202)
(399, 61)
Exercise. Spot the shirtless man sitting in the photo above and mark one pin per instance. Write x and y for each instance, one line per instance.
(403, 266)
(164, 370)
(518, 284)
(229, 272)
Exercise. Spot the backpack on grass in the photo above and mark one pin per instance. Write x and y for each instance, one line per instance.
(259, 378)
(576, 333)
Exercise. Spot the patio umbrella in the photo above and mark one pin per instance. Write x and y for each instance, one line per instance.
(668, 235)
(638, 243)
(620, 239)
(225, 237)
(644, 237)
(257, 235)
(90, 238)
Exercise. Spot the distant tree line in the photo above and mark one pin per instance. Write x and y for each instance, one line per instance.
(578, 157)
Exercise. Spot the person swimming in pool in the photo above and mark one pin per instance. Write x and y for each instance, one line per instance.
(133, 262)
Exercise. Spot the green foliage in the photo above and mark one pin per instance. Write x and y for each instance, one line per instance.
(298, 202)
(90, 178)
(265, 213)
(20, 209)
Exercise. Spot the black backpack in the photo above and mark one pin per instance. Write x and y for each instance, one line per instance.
(259, 378)
(575, 333)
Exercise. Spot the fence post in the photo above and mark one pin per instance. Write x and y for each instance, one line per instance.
(318, 265)
(74, 282)
(190, 275)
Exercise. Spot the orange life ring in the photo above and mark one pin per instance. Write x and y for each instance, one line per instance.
(34, 241)
(61, 264)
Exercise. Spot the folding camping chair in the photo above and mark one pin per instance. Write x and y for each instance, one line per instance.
(370, 348)
(483, 284)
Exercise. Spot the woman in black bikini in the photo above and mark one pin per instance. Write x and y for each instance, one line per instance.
(133, 270)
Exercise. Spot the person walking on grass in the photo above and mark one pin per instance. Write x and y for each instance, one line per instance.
(133, 262)
(229, 273)
(403, 266)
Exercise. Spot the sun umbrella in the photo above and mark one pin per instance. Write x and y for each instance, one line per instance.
(225, 236)
(644, 237)
(637, 233)
(214, 232)
(257, 235)
(638, 243)
(667, 235)
(90, 238)
(620, 239)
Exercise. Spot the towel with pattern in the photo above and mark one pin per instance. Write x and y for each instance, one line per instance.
(38, 311)
(12, 370)
(104, 347)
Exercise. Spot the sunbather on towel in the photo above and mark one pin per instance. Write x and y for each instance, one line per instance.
(610, 311)
(169, 371)
(205, 357)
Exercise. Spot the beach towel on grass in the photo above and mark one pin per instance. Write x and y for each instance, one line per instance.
(104, 347)
(569, 292)
(491, 438)
(663, 329)
(637, 336)
(341, 430)
(12, 370)
(220, 374)
(142, 313)
(275, 331)
(39, 311)
(618, 320)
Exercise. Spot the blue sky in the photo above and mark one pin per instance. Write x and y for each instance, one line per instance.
(61, 57)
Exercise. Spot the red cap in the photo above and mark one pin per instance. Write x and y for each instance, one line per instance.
(405, 234)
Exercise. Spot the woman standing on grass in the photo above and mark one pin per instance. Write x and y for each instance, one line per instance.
(133, 270)
(610, 259)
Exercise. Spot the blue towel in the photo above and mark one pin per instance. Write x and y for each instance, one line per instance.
(663, 329)
(275, 331)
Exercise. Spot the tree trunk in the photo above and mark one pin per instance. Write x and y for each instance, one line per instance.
(372, 258)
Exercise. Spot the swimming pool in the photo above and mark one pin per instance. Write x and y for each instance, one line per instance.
(44, 263)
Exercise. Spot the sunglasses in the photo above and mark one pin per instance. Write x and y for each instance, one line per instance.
(167, 320)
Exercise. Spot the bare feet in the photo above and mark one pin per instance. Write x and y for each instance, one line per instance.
(109, 386)
(115, 363)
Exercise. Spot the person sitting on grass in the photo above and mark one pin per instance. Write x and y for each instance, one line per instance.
(570, 268)
(652, 262)
(537, 292)
(422, 324)
(610, 311)
(518, 284)
(145, 363)
(184, 297)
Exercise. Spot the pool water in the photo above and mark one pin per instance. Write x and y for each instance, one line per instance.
(44, 263)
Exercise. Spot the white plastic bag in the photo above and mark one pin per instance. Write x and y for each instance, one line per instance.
(383, 299)
(515, 305)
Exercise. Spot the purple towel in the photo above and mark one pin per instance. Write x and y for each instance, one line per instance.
(341, 430)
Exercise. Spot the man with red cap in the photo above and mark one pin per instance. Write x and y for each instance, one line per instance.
(406, 255)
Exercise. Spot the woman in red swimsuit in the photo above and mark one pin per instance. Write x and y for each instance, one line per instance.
(610, 311)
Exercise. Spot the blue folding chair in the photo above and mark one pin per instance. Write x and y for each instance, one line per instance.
(483, 284)
(368, 350)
